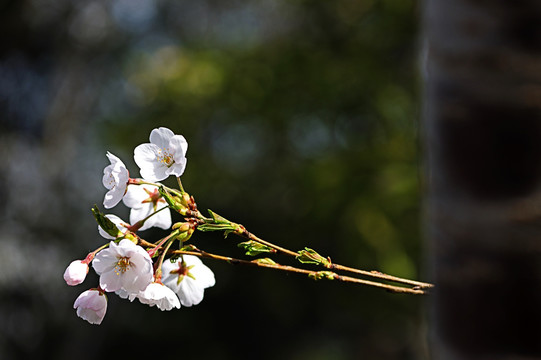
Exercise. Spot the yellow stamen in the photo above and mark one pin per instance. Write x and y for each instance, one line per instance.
(123, 264)
(164, 156)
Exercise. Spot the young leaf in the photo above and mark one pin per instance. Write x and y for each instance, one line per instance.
(254, 248)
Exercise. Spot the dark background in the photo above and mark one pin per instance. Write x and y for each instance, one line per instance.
(302, 124)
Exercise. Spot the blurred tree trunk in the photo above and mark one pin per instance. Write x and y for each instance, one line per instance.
(483, 146)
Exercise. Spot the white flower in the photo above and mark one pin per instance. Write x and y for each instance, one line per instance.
(160, 295)
(164, 156)
(188, 278)
(76, 272)
(115, 179)
(120, 224)
(145, 200)
(91, 306)
(124, 266)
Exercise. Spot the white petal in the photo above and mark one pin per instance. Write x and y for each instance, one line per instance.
(113, 197)
(146, 157)
(145, 153)
(204, 276)
(126, 248)
(190, 293)
(136, 194)
(161, 136)
(159, 295)
(202, 273)
(177, 169)
(156, 173)
(126, 295)
(104, 261)
(104, 234)
(140, 214)
(179, 147)
(113, 159)
(110, 281)
(162, 219)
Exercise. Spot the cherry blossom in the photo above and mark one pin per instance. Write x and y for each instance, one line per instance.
(143, 201)
(115, 179)
(123, 266)
(160, 295)
(120, 224)
(76, 272)
(165, 155)
(91, 306)
(188, 277)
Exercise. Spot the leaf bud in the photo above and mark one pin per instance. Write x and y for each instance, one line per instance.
(310, 256)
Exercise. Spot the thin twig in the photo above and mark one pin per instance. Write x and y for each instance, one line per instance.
(313, 274)
(248, 235)
(380, 275)
(374, 274)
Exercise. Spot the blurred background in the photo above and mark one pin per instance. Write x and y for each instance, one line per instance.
(302, 123)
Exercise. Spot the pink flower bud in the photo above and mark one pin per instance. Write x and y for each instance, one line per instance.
(75, 273)
(91, 306)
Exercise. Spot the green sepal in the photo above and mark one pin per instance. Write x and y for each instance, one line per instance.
(266, 261)
(310, 256)
(181, 226)
(328, 275)
(107, 225)
(254, 248)
(184, 236)
(217, 218)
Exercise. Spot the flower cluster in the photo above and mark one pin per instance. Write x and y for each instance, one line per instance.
(125, 264)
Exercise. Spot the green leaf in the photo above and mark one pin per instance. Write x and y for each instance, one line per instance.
(107, 225)
(218, 223)
(216, 227)
(254, 248)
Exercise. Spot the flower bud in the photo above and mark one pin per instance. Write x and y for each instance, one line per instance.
(182, 226)
(76, 272)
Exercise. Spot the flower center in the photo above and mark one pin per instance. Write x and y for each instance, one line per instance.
(122, 265)
(111, 182)
(165, 157)
(182, 271)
